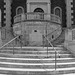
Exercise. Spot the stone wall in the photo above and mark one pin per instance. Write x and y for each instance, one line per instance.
(62, 5)
(28, 30)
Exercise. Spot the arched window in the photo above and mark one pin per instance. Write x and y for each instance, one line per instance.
(19, 10)
(58, 11)
(40, 10)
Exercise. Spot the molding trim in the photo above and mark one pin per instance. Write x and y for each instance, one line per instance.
(39, 3)
(29, 1)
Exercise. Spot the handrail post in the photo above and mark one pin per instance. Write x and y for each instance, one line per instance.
(47, 50)
(13, 48)
(43, 41)
(55, 52)
(46, 40)
(55, 60)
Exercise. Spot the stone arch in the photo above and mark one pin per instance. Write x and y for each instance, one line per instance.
(39, 10)
(58, 12)
(19, 10)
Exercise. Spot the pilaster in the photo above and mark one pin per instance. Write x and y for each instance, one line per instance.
(28, 7)
(69, 6)
(7, 12)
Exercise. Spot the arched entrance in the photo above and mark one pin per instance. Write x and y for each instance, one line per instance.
(41, 11)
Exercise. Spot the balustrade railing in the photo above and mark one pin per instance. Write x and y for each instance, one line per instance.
(55, 18)
(56, 53)
(37, 16)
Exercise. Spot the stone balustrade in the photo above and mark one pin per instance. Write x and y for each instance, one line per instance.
(37, 16)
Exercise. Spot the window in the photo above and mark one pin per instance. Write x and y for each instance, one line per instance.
(19, 10)
(58, 11)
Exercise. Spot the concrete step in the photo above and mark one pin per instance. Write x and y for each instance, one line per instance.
(37, 55)
(34, 51)
(35, 61)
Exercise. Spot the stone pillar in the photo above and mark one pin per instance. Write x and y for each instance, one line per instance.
(49, 9)
(69, 12)
(68, 35)
(7, 11)
(28, 7)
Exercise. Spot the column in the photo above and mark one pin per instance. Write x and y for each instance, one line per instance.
(28, 7)
(7, 11)
(49, 9)
(69, 12)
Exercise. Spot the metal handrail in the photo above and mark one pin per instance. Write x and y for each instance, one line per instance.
(54, 49)
(9, 43)
(52, 32)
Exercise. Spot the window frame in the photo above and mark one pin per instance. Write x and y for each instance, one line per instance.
(18, 8)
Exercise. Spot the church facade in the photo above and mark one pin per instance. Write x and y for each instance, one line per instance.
(9, 7)
(61, 9)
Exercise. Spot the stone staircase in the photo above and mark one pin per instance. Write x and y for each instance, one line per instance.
(36, 61)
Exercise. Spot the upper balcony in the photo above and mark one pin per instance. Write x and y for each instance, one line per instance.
(37, 17)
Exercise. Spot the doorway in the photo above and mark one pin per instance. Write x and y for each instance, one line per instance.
(35, 37)
(41, 11)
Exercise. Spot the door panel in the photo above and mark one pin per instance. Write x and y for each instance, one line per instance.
(35, 38)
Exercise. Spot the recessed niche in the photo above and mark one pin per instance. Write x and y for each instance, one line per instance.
(35, 30)
(52, 36)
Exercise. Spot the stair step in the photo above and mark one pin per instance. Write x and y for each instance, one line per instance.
(35, 60)
(21, 69)
(69, 74)
(36, 55)
(36, 70)
(15, 58)
(33, 48)
(26, 51)
(49, 64)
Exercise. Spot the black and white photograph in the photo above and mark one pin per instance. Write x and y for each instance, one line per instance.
(37, 37)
